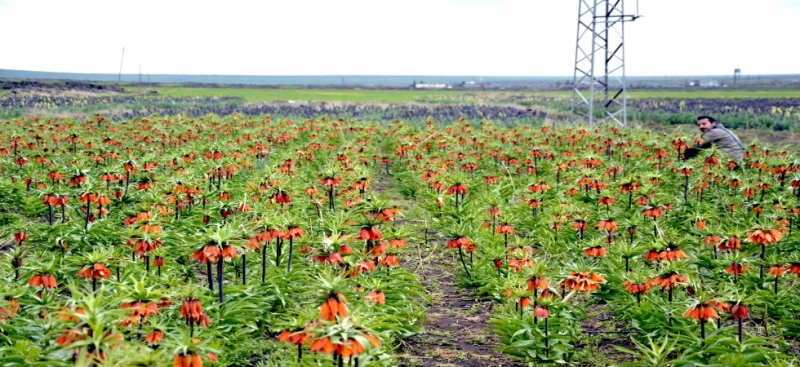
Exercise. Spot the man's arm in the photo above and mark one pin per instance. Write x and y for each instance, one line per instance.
(711, 137)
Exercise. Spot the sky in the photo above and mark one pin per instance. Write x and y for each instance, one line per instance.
(389, 37)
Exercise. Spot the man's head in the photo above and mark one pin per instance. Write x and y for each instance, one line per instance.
(706, 123)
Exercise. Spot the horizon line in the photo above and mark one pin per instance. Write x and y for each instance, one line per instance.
(389, 75)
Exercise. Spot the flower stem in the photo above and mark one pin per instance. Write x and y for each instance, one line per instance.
(264, 264)
(219, 280)
(702, 329)
(740, 330)
(210, 276)
(461, 255)
(289, 263)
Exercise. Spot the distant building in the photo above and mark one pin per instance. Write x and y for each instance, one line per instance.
(708, 83)
(422, 85)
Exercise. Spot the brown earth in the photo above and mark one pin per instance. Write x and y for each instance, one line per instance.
(456, 330)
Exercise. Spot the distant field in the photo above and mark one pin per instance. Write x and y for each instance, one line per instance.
(323, 95)
(717, 93)
(401, 96)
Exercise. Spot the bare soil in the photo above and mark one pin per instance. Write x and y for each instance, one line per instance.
(456, 330)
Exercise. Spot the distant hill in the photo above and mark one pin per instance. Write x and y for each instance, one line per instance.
(331, 80)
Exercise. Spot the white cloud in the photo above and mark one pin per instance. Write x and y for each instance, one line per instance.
(410, 37)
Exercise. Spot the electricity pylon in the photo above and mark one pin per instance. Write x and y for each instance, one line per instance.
(599, 80)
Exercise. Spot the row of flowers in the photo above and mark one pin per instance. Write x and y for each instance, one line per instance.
(199, 241)
(558, 223)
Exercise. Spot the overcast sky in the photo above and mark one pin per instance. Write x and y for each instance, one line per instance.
(388, 37)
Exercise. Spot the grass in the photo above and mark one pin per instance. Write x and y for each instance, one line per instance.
(716, 93)
(253, 94)
(302, 94)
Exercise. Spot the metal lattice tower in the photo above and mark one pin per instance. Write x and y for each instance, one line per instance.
(599, 80)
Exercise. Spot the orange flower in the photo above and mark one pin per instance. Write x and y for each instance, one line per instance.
(333, 307)
(228, 253)
(653, 212)
(46, 281)
(378, 249)
(365, 266)
(297, 337)
(209, 253)
(524, 302)
(712, 240)
(389, 261)
(141, 309)
(537, 283)
(597, 251)
(739, 311)
(323, 345)
(777, 270)
(505, 229)
(192, 310)
(397, 243)
(20, 236)
(370, 233)
(579, 225)
(187, 360)
(605, 201)
(518, 264)
(376, 296)
(700, 224)
(97, 271)
(630, 187)
(637, 288)
(281, 197)
(701, 312)
(732, 243)
(671, 254)
(652, 255)
(720, 306)
(462, 242)
(764, 236)
(154, 337)
(737, 268)
(541, 311)
(608, 225)
(294, 232)
(583, 281)
(670, 280)
(457, 188)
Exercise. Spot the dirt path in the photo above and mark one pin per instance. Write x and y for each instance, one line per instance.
(456, 331)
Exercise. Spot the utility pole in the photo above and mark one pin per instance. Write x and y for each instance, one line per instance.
(119, 76)
(600, 63)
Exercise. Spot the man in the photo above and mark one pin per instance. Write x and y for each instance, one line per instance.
(716, 134)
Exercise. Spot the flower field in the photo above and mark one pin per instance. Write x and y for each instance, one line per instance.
(268, 240)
